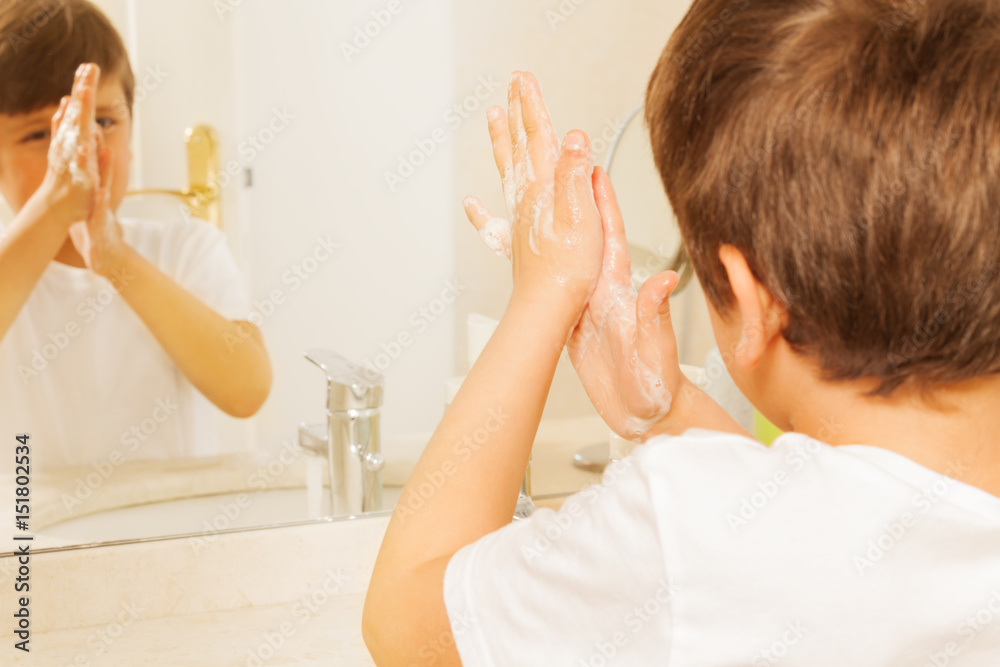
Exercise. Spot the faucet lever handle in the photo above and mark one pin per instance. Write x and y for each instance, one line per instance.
(349, 385)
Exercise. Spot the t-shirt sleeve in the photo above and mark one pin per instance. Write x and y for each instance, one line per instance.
(202, 264)
(568, 586)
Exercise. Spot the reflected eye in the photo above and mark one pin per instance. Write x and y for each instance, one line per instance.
(106, 123)
(41, 135)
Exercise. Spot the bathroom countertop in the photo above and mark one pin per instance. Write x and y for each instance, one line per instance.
(216, 639)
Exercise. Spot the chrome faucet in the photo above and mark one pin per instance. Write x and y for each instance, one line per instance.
(350, 438)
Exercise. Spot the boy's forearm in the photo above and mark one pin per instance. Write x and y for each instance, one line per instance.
(31, 242)
(226, 361)
(466, 483)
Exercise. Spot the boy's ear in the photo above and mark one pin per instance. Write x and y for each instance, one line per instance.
(761, 317)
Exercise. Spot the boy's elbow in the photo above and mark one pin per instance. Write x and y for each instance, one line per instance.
(251, 397)
(255, 385)
(372, 631)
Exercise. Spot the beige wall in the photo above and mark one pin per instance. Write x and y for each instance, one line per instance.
(593, 58)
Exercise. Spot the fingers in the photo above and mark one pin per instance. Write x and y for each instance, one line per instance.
(518, 138)
(57, 119)
(654, 331)
(503, 154)
(616, 258)
(542, 141)
(85, 94)
(574, 190)
(495, 232)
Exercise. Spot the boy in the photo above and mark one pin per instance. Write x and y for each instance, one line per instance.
(112, 332)
(835, 169)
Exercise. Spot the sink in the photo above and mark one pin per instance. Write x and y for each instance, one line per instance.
(203, 514)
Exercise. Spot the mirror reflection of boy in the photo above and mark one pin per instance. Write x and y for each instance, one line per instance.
(848, 243)
(116, 335)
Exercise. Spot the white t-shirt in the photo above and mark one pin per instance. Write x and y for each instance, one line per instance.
(83, 375)
(710, 549)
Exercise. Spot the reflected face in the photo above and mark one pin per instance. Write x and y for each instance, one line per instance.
(25, 138)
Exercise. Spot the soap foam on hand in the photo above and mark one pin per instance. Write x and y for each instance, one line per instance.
(68, 142)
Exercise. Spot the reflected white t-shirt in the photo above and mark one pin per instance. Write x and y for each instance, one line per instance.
(712, 550)
(83, 375)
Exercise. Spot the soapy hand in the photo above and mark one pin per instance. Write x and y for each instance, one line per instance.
(98, 239)
(623, 345)
(624, 348)
(74, 149)
(553, 232)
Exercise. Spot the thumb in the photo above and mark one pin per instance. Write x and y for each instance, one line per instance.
(616, 257)
(102, 194)
(654, 329)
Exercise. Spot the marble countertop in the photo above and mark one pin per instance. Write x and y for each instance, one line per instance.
(273, 635)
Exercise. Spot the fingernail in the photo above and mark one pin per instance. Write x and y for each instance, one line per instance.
(574, 141)
(493, 113)
(468, 201)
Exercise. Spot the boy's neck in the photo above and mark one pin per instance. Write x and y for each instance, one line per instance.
(958, 435)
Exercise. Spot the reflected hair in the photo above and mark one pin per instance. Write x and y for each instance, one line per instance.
(43, 42)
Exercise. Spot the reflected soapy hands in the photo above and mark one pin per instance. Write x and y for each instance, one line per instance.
(553, 234)
(79, 160)
(74, 151)
(623, 344)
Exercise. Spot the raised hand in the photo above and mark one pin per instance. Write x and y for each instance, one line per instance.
(553, 232)
(98, 239)
(73, 171)
(622, 345)
(624, 348)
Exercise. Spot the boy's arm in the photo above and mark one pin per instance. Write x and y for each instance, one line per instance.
(226, 361)
(27, 247)
(477, 457)
(40, 228)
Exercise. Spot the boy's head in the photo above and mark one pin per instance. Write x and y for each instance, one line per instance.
(849, 152)
(42, 43)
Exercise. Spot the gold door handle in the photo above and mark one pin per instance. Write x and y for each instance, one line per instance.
(202, 196)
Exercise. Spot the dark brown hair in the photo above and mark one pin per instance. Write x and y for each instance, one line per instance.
(850, 149)
(43, 42)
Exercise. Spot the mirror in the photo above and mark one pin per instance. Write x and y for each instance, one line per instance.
(348, 134)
